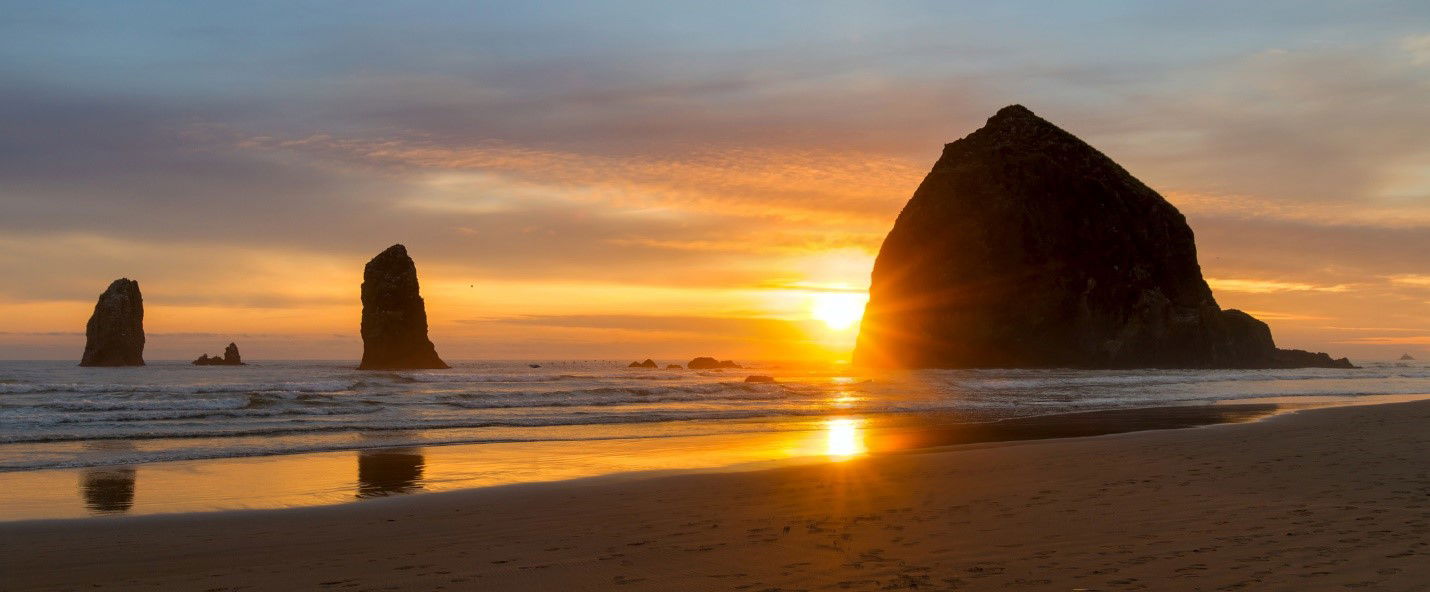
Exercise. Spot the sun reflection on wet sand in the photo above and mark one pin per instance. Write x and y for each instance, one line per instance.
(844, 438)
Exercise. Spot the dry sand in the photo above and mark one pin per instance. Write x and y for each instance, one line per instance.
(1320, 500)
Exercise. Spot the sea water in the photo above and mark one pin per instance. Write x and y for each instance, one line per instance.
(58, 415)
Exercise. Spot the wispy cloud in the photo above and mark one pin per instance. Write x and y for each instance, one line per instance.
(1418, 46)
(1416, 280)
(1395, 340)
(1270, 286)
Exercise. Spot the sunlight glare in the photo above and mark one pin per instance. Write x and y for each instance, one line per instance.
(845, 440)
(838, 310)
(844, 400)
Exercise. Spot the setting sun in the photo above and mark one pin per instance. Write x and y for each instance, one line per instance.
(838, 310)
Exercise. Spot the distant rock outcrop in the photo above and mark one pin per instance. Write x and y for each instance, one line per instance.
(1025, 247)
(648, 363)
(230, 358)
(114, 335)
(394, 317)
(708, 363)
(1406, 357)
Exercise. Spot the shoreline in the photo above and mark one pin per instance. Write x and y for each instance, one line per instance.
(1316, 499)
(326, 478)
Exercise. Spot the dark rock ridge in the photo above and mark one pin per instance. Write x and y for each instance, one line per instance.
(1406, 357)
(1025, 247)
(759, 378)
(394, 318)
(648, 363)
(114, 335)
(230, 358)
(707, 363)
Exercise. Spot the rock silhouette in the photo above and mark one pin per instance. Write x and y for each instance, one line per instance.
(230, 358)
(1024, 247)
(394, 317)
(1406, 357)
(708, 363)
(648, 363)
(114, 335)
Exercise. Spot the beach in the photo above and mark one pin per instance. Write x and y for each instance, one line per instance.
(1320, 499)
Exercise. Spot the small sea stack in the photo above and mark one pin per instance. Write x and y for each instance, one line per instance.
(1406, 357)
(114, 335)
(230, 358)
(394, 317)
(648, 363)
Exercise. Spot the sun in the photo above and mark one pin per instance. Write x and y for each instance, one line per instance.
(838, 310)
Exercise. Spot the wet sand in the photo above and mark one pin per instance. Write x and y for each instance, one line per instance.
(326, 478)
(1324, 499)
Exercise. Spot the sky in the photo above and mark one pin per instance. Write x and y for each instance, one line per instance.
(657, 179)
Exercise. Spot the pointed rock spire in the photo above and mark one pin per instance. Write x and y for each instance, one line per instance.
(394, 317)
(114, 335)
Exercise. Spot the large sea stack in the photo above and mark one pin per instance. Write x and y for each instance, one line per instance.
(1025, 247)
(394, 318)
(115, 333)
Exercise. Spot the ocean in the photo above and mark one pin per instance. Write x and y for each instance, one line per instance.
(58, 415)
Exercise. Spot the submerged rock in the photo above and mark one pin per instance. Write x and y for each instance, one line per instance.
(759, 378)
(708, 363)
(394, 317)
(703, 363)
(230, 358)
(1025, 247)
(114, 335)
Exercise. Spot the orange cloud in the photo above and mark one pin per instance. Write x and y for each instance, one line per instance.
(1410, 340)
(826, 187)
(1270, 286)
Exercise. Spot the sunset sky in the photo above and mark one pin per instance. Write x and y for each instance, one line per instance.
(631, 180)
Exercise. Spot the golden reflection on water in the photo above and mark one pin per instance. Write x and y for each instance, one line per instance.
(335, 477)
(844, 438)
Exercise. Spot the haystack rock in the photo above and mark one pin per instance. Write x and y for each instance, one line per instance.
(115, 333)
(1025, 247)
(394, 318)
(1406, 357)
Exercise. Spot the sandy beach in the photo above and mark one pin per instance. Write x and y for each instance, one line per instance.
(1318, 500)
